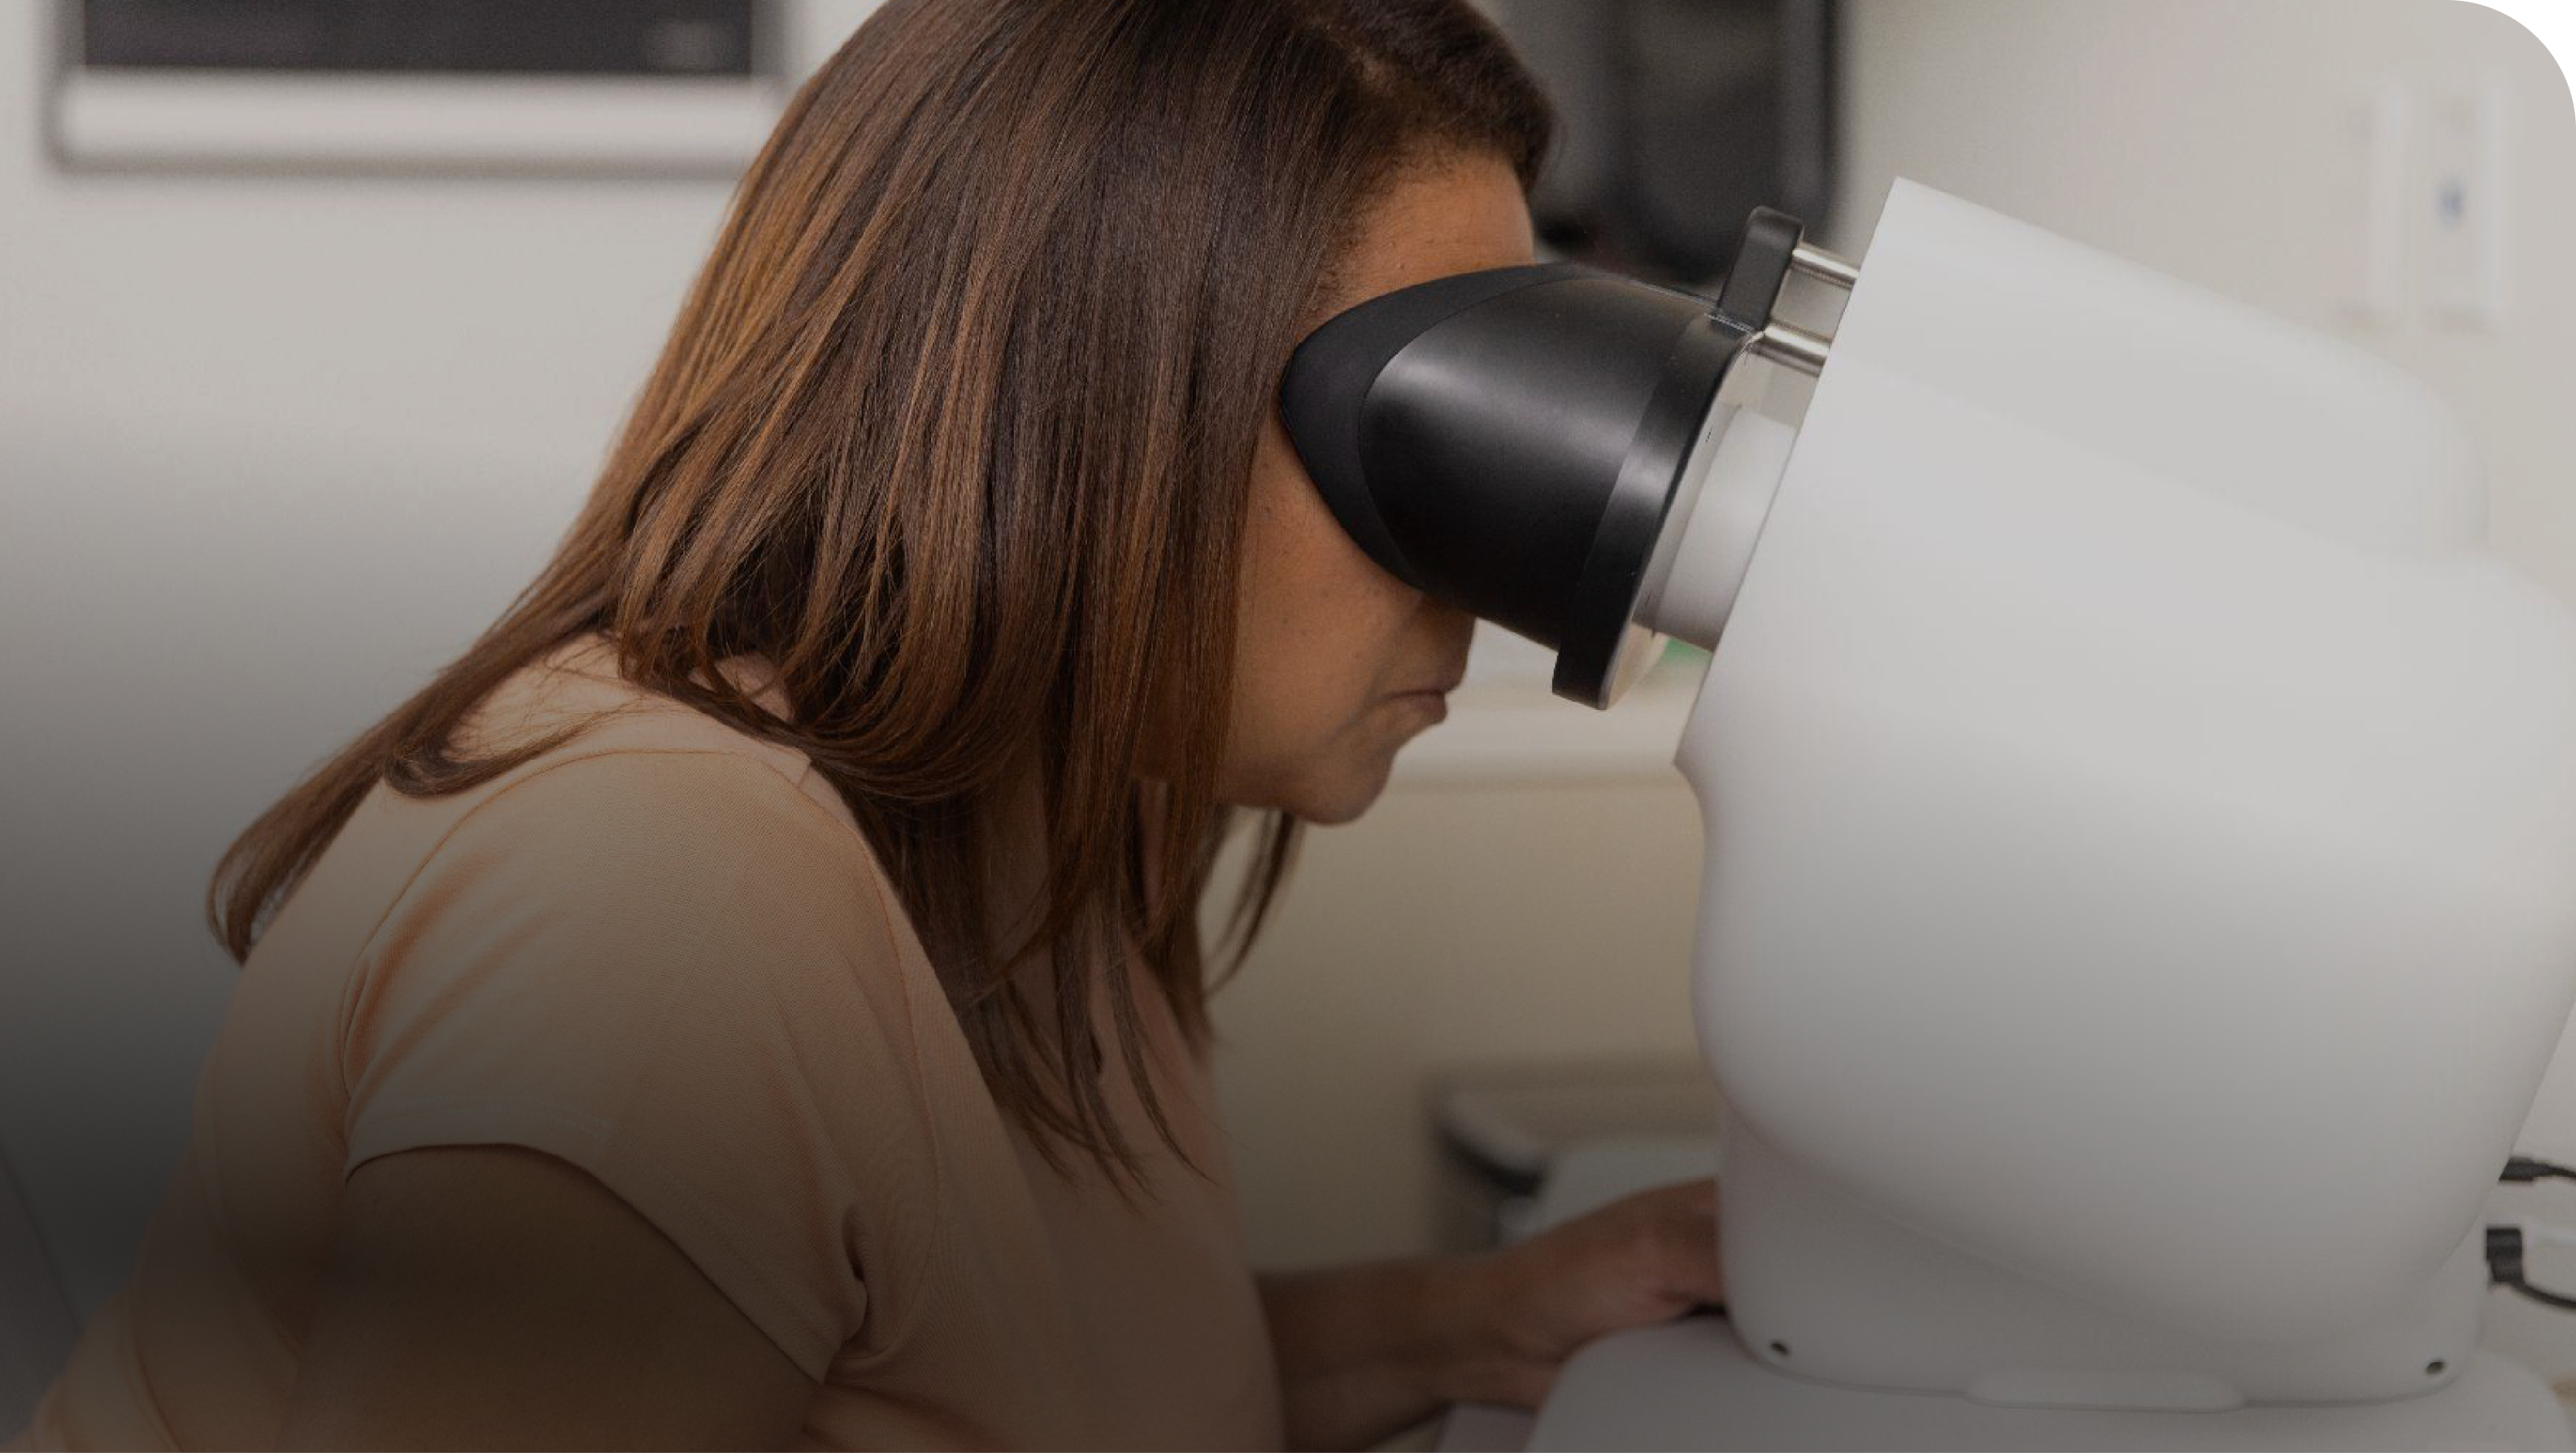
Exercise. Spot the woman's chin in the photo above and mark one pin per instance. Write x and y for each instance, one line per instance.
(1332, 787)
(1344, 794)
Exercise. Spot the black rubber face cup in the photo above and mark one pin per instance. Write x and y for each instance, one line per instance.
(1509, 442)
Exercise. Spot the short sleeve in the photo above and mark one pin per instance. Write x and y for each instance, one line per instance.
(675, 971)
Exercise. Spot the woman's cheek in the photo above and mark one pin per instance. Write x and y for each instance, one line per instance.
(1296, 739)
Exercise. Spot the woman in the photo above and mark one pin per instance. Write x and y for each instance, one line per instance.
(755, 994)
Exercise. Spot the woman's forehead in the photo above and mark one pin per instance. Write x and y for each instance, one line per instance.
(1433, 220)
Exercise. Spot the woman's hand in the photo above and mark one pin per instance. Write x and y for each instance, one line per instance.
(1367, 1351)
(1646, 1259)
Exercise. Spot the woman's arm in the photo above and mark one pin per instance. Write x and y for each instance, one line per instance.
(1367, 1351)
(486, 1296)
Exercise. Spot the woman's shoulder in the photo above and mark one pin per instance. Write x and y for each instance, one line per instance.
(651, 952)
(635, 788)
(651, 847)
(577, 693)
(641, 814)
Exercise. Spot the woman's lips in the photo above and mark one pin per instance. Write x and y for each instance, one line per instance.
(1431, 703)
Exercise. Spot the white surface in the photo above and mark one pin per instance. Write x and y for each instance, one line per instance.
(1725, 491)
(1690, 1385)
(1861, 1299)
(2073, 117)
(2122, 753)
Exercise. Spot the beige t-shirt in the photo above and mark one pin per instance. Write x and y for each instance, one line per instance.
(664, 953)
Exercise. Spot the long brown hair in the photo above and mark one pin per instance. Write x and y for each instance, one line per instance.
(956, 428)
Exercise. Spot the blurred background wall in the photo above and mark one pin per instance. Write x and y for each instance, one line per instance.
(273, 447)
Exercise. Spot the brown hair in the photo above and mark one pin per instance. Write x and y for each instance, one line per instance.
(956, 428)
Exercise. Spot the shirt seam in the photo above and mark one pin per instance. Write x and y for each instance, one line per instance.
(938, 1239)
(604, 1148)
(608, 1136)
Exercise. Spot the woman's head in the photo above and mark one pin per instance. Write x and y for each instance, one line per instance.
(1337, 662)
(968, 427)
